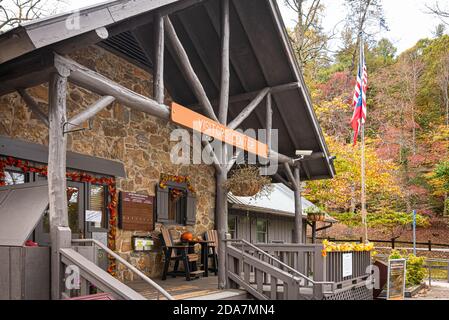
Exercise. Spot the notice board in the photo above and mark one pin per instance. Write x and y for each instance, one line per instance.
(396, 279)
(136, 212)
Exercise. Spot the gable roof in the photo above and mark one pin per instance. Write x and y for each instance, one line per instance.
(261, 56)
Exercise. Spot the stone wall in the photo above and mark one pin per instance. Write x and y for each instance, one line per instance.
(138, 140)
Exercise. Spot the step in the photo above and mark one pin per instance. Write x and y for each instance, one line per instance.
(225, 295)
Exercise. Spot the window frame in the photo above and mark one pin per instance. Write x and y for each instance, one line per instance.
(27, 175)
(265, 233)
(230, 231)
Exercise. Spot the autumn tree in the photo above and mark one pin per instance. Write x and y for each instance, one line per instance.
(364, 17)
(14, 12)
(338, 195)
(308, 37)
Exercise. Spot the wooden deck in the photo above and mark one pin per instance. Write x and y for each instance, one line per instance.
(180, 289)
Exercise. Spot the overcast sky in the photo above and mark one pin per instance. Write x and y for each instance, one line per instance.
(407, 19)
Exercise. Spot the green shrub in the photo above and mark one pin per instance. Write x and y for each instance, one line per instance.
(415, 270)
(415, 267)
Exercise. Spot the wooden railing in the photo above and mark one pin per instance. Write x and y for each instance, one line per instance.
(308, 260)
(133, 269)
(266, 277)
(361, 262)
(89, 273)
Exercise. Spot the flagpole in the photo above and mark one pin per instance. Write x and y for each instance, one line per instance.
(363, 160)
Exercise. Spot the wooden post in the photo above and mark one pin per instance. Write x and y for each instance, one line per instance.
(158, 78)
(221, 222)
(33, 105)
(245, 113)
(269, 124)
(314, 232)
(225, 78)
(57, 181)
(184, 63)
(298, 207)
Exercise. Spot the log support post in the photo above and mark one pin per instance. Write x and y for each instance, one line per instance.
(298, 208)
(57, 181)
(221, 210)
(159, 87)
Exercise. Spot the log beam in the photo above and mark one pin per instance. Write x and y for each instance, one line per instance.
(269, 121)
(95, 82)
(290, 176)
(91, 111)
(225, 62)
(158, 81)
(187, 69)
(249, 109)
(34, 106)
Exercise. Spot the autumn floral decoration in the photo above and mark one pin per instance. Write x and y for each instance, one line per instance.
(26, 167)
(329, 247)
(176, 194)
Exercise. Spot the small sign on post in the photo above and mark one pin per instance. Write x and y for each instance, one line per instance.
(347, 265)
(397, 271)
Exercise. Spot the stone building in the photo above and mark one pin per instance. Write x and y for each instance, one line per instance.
(139, 141)
(94, 103)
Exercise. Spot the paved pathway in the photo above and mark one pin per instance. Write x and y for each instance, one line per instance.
(438, 291)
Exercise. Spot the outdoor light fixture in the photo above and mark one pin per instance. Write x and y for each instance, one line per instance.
(304, 153)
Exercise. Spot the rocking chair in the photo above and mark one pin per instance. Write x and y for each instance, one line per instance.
(212, 235)
(177, 253)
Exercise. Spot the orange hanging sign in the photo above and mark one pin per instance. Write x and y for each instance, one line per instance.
(193, 120)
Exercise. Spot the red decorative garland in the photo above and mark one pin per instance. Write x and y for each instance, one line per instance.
(166, 178)
(25, 167)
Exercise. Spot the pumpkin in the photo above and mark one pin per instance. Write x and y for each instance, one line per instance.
(187, 237)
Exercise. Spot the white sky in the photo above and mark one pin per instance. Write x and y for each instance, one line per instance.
(407, 19)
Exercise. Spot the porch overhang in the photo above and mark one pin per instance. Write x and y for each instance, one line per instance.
(256, 62)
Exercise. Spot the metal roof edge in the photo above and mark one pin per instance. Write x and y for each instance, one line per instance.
(296, 69)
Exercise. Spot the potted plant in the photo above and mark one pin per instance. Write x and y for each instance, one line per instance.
(315, 214)
(246, 181)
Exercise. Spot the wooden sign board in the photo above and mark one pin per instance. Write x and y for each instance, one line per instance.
(136, 212)
(396, 279)
(192, 120)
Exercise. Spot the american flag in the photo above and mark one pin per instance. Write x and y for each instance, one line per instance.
(359, 101)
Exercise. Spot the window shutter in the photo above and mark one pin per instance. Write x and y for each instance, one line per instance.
(191, 210)
(162, 205)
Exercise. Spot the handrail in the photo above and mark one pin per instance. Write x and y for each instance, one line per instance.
(128, 265)
(92, 273)
(281, 263)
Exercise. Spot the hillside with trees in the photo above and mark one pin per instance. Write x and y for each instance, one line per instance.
(408, 120)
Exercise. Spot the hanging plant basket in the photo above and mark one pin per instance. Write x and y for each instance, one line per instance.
(246, 181)
(315, 215)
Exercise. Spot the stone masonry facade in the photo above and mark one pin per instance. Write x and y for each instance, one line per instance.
(141, 142)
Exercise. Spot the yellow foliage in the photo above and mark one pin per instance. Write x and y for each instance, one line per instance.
(346, 247)
(338, 194)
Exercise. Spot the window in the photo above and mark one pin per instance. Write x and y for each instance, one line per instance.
(14, 177)
(262, 230)
(232, 227)
(177, 206)
(97, 202)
